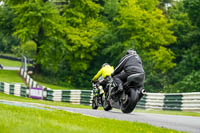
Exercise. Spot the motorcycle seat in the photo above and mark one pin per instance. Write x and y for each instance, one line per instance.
(137, 78)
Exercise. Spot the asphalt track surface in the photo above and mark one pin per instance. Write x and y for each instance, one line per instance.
(181, 123)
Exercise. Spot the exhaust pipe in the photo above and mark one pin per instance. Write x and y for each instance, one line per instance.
(143, 91)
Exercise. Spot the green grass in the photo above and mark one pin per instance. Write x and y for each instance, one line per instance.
(54, 87)
(23, 99)
(10, 55)
(10, 76)
(14, 77)
(10, 63)
(52, 82)
(30, 120)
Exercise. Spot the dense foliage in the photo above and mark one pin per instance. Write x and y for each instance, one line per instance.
(71, 43)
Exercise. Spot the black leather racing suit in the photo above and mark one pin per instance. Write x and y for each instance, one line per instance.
(128, 65)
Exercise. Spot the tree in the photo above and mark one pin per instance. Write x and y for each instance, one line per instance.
(163, 5)
(40, 22)
(82, 26)
(193, 9)
(142, 26)
(7, 28)
(145, 29)
(183, 76)
(111, 8)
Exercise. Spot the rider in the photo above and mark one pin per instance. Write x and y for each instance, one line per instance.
(129, 64)
(105, 71)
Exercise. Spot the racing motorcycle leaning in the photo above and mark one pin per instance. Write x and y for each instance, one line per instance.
(126, 100)
(98, 93)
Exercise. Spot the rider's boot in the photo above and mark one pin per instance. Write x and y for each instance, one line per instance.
(101, 90)
(119, 90)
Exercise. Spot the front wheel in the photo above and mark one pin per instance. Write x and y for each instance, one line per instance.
(94, 103)
(131, 102)
(106, 104)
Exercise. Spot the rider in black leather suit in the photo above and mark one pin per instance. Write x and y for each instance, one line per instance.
(129, 64)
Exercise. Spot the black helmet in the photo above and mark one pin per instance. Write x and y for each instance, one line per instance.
(105, 64)
(131, 51)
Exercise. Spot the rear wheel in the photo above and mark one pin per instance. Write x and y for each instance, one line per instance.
(94, 103)
(131, 102)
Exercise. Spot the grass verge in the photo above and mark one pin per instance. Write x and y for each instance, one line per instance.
(54, 87)
(10, 76)
(10, 63)
(23, 120)
(14, 77)
(47, 81)
(54, 83)
(23, 99)
(10, 55)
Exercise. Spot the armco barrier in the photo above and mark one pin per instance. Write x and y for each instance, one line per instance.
(14, 58)
(160, 101)
(10, 58)
(171, 101)
(14, 89)
(71, 96)
(29, 81)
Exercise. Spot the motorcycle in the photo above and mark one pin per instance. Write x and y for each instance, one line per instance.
(98, 93)
(126, 100)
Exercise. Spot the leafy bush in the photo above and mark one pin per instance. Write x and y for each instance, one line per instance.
(29, 49)
(190, 83)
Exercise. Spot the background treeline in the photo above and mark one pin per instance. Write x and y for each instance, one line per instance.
(70, 40)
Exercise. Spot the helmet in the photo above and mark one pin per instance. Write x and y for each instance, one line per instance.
(105, 64)
(131, 51)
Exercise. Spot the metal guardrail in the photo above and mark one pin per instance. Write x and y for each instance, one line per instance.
(171, 101)
(10, 58)
(14, 89)
(71, 96)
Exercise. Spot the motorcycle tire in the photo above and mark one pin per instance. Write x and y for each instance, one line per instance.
(94, 103)
(106, 105)
(130, 104)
